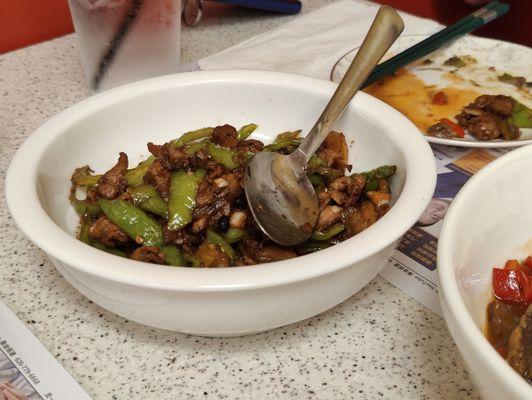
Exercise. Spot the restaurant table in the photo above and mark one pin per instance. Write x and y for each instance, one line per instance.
(380, 343)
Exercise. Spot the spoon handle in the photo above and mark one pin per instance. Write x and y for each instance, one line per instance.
(386, 28)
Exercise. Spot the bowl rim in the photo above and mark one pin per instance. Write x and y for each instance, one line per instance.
(32, 219)
(450, 293)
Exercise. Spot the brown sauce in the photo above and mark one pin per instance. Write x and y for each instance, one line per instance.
(502, 319)
(413, 97)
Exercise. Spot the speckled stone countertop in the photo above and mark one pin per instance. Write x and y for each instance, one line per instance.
(378, 344)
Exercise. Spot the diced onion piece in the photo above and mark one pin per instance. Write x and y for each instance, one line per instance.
(379, 199)
(220, 182)
(238, 220)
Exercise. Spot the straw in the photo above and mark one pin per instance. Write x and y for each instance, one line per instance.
(453, 32)
(116, 42)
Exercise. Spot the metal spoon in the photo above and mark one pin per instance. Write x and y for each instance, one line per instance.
(280, 195)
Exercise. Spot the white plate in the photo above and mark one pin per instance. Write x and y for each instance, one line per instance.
(504, 56)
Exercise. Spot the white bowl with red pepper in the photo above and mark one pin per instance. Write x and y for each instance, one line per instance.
(485, 275)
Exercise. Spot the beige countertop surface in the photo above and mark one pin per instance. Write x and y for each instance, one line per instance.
(379, 344)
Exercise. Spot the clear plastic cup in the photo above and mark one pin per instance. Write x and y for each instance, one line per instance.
(123, 41)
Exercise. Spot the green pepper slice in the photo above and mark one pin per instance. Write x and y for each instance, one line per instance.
(182, 198)
(84, 231)
(315, 162)
(322, 236)
(83, 177)
(194, 262)
(313, 246)
(173, 256)
(84, 207)
(522, 116)
(288, 135)
(223, 156)
(283, 144)
(371, 186)
(147, 198)
(233, 235)
(193, 148)
(110, 250)
(382, 172)
(244, 132)
(218, 240)
(373, 176)
(135, 176)
(133, 221)
(317, 180)
(193, 135)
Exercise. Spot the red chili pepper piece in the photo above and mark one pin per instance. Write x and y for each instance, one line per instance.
(440, 99)
(526, 267)
(457, 129)
(512, 265)
(508, 285)
(527, 288)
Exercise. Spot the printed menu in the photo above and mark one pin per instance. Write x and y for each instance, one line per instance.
(412, 267)
(27, 370)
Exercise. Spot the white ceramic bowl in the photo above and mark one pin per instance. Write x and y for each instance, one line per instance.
(489, 222)
(232, 301)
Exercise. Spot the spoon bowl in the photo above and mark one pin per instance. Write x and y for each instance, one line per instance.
(280, 195)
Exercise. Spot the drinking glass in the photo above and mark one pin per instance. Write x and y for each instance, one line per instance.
(126, 40)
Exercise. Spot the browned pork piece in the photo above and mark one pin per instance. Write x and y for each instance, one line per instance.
(441, 130)
(173, 157)
(520, 346)
(225, 136)
(499, 105)
(270, 253)
(158, 176)
(357, 219)
(254, 252)
(344, 191)
(329, 216)
(151, 254)
(215, 196)
(250, 145)
(333, 151)
(487, 118)
(107, 233)
(211, 255)
(113, 182)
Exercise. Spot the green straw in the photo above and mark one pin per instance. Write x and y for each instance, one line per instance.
(455, 31)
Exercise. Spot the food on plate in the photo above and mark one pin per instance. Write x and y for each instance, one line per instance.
(459, 62)
(424, 104)
(509, 316)
(185, 204)
(465, 99)
(517, 81)
(486, 118)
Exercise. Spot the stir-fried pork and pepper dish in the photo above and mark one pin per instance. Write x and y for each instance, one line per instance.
(487, 118)
(185, 204)
(459, 108)
(509, 322)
